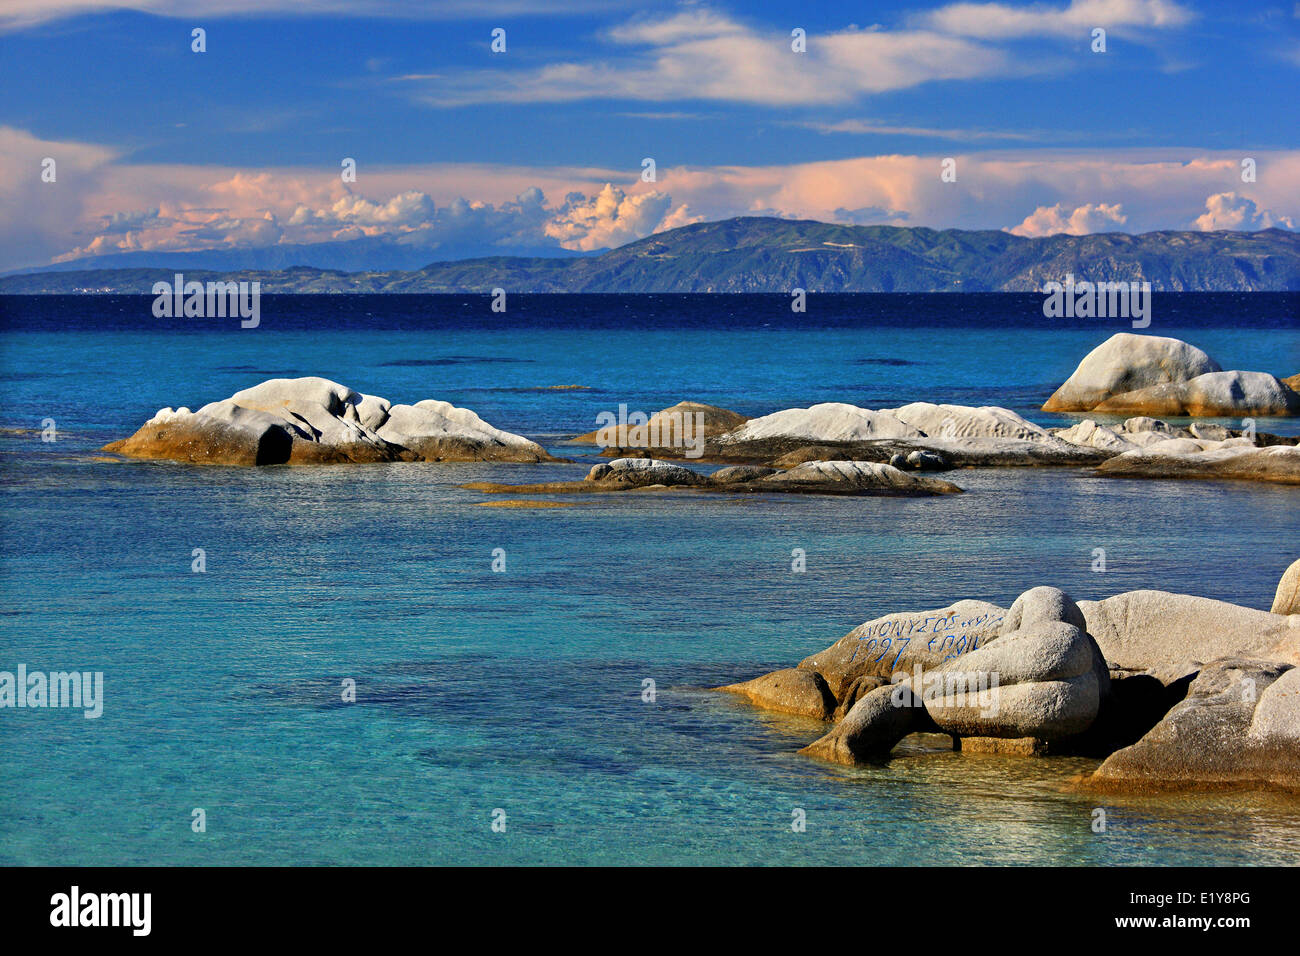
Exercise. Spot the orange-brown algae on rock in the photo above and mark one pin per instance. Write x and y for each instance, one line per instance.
(1011, 746)
(664, 424)
(314, 421)
(804, 693)
(522, 503)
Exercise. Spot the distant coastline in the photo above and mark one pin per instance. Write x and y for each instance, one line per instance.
(757, 255)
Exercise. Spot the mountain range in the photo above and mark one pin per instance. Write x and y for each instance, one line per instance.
(759, 254)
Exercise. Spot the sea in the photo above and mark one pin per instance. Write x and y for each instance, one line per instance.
(320, 665)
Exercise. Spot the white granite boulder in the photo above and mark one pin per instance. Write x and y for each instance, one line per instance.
(1239, 726)
(1287, 598)
(1170, 636)
(1215, 394)
(827, 422)
(316, 421)
(1126, 362)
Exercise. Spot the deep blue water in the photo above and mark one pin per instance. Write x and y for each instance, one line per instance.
(522, 690)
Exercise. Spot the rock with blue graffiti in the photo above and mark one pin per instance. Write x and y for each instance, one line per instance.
(905, 640)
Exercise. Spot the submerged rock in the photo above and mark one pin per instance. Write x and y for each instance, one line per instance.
(316, 421)
(1124, 363)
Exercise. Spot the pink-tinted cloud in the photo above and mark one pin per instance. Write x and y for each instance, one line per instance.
(1082, 220)
(1231, 211)
(100, 205)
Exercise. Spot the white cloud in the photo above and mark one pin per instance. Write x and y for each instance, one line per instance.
(874, 127)
(612, 218)
(101, 205)
(37, 216)
(405, 210)
(1000, 21)
(1053, 220)
(699, 54)
(1231, 211)
(18, 14)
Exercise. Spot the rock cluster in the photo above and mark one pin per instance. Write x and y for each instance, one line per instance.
(1038, 680)
(1154, 375)
(1173, 690)
(1236, 458)
(921, 436)
(316, 421)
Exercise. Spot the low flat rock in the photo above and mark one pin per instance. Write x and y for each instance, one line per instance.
(1210, 395)
(856, 476)
(636, 472)
(789, 691)
(1235, 459)
(1171, 636)
(1238, 726)
(1124, 363)
(439, 431)
(734, 474)
(315, 421)
(815, 478)
(1091, 435)
(923, 435)
(989, 451)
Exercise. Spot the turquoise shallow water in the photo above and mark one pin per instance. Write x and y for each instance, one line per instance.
(522, 690)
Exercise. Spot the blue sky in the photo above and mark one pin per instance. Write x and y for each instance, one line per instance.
(161, 148)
